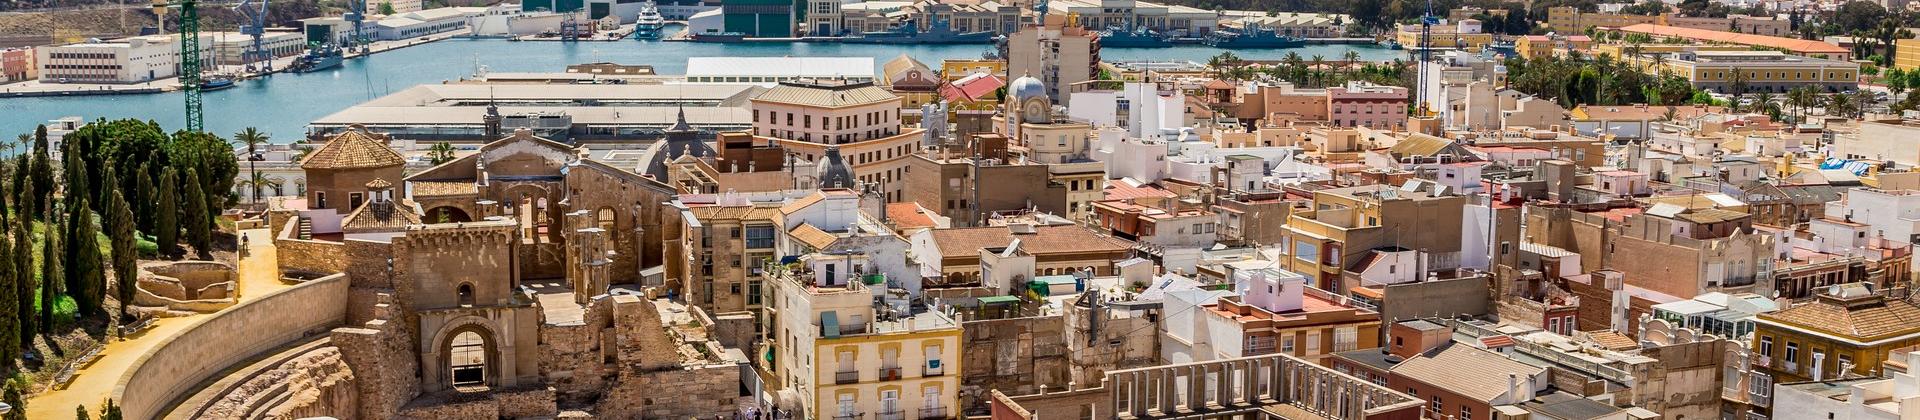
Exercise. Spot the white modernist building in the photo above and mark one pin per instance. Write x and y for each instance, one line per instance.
(126, 60)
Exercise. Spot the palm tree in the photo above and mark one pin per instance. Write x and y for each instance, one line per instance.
(1352, 57)
(253, 138)
(258, 182)
(441, 152)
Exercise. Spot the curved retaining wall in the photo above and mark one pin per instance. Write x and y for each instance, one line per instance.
(182, 362)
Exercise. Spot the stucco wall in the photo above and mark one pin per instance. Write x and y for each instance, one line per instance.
(183, 361)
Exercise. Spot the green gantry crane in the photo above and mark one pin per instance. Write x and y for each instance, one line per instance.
(189, 55)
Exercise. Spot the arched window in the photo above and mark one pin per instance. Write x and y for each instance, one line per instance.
(468, 357)
(466, 294)
(604, 218)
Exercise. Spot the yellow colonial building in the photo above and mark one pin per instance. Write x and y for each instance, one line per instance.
(835, 356)
(1764, 71)
(1465, 35)
(1851, 328)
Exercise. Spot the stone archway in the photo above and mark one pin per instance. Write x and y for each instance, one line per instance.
(466, 354)
(447, 214)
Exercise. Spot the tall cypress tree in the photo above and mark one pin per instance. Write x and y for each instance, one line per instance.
(166, 215)
(18, 403)
(9, 309)
(125, 268)
(199, 229)
(89, 284)
(143, 198)
(22, 188)
(42, 176)
(26, 285)
(71, 242)
(52, 276)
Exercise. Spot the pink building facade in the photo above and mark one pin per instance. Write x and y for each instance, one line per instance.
(1360, 104)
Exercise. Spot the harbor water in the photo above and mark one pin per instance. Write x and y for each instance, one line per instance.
(283, 104)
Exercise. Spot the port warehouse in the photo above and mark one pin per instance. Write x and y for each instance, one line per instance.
(565, 112)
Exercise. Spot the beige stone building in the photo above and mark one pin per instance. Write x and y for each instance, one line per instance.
(859, 120)
(727, 249)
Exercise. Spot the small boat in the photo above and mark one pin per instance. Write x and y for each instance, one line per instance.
(1140, 37)
(938, 32)
(318, 57)
(1252, 36)
(649, 23)
(1390, 43)
(216, 82)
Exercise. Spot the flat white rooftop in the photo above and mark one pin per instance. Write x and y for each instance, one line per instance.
(804, 67)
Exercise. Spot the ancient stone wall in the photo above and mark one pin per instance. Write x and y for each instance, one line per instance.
(1017, 356)
(309, 258)
(636, 204)
(235, 334)
(571, 356)
(698, 392)
(387, 373)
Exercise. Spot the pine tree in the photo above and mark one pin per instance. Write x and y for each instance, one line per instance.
(26, 286)
(18, 403)
(199, 231)
(125, 268)
(42, 176)
(166, 215)
(9, 310)
(88, 286)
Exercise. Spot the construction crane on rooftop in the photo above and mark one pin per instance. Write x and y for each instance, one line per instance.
(189, 54)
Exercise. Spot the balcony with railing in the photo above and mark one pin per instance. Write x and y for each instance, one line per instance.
(891, 414)
(934, 368)
(1257, 346)
(933, 413)
(853, 416)
(846, 377)
(890, 373)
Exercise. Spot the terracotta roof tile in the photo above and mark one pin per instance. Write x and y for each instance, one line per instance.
(812, 236)
(1800, 46)
(908, 215)
(1865, 318)
(353, 149)
(1475, 373)
(1045, 240)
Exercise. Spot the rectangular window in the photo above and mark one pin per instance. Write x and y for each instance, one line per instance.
(759, 237)
(1286, 343)
(1306, 251)
(1313, 343)
(1346, 338)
